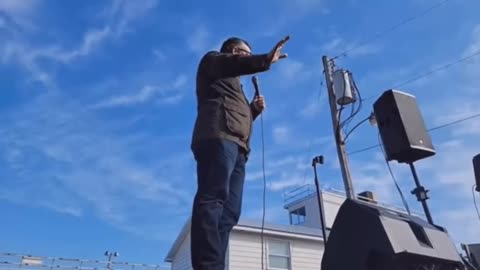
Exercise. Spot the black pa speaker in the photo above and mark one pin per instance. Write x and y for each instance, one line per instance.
(476, 170)
(371, 237)
(473, 254)
(402, 128)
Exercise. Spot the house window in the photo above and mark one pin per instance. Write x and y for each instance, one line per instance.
(297, 216)
(278, 254)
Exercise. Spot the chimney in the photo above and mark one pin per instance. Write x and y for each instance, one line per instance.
(367, 196)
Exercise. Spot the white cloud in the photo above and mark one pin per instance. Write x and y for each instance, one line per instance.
(91, 40)
(303, 7)
(169, 94)
(475, 44)
(292, 70)
(199, 40)
(315, 103)
(286, 181)
(257, 175)
(86, 169)
(119, 19)
(337, 45)
(159, 54)
(122, 13)
(24, 56)
(120, 16)
(18, 8)
(281, 134)
(20, 13)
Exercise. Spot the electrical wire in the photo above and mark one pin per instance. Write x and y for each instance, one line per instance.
(345, 123)
(356, 126)
(393, 177)
(431, 129)
(475, 201)
(311, 141)
(444, 67)
(353, 112)
(430, 72)
(391, 29)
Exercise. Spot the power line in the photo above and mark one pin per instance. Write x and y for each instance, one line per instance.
(444, 67)
(392, 28)
(431, 129)
(429, 73)
(455, 122)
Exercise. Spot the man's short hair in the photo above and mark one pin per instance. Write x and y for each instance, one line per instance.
(228, 44)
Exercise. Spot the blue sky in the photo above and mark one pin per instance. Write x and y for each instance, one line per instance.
(97, 106)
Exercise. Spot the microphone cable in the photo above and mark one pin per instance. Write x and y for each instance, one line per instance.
(264, 189)
(257, 93)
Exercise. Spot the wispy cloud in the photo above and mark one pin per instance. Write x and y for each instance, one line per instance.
(19, 12)
(169, 94)
(18, 8)
(304, 7)
(315, 103)
(475, 43)
(281, 134)
(199, 40)
(337, 45)
(87, 169)
(119, 19)
(286, 181)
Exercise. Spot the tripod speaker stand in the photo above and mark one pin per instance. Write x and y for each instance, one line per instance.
(404, 136)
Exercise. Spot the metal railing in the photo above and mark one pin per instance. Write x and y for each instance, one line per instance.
(29, 262)
(306, 190)
(298, 193)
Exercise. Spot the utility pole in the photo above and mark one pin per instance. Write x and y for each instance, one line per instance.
(337, 131)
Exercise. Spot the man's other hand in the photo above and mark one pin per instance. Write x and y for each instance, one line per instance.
(259, 103)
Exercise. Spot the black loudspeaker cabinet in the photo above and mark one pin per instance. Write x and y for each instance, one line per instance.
(476, 170)
(402, 128)
(370, 237)
(474, 254)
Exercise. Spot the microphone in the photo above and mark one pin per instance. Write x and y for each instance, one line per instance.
(255, 84)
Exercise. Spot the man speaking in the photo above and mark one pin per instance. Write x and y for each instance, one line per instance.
(220, 144)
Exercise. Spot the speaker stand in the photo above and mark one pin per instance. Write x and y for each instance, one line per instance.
(319, 160)
(421, 193)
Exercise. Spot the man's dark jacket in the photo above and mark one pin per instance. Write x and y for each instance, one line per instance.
(223, 110)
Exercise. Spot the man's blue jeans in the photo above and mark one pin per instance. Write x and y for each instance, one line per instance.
(217, 203)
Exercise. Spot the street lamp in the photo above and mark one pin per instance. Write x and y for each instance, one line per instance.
(110, 256)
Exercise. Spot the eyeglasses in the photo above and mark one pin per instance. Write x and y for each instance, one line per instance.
(245, 52)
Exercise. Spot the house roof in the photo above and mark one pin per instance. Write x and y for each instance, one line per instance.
(244, 225)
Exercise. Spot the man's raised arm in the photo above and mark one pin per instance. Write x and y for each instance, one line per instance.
(221, 65)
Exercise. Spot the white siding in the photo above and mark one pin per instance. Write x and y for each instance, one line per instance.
(331, 205)
(245, 252)
(181, 261)
(306, 254)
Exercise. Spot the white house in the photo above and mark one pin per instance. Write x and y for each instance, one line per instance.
(298, 245)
